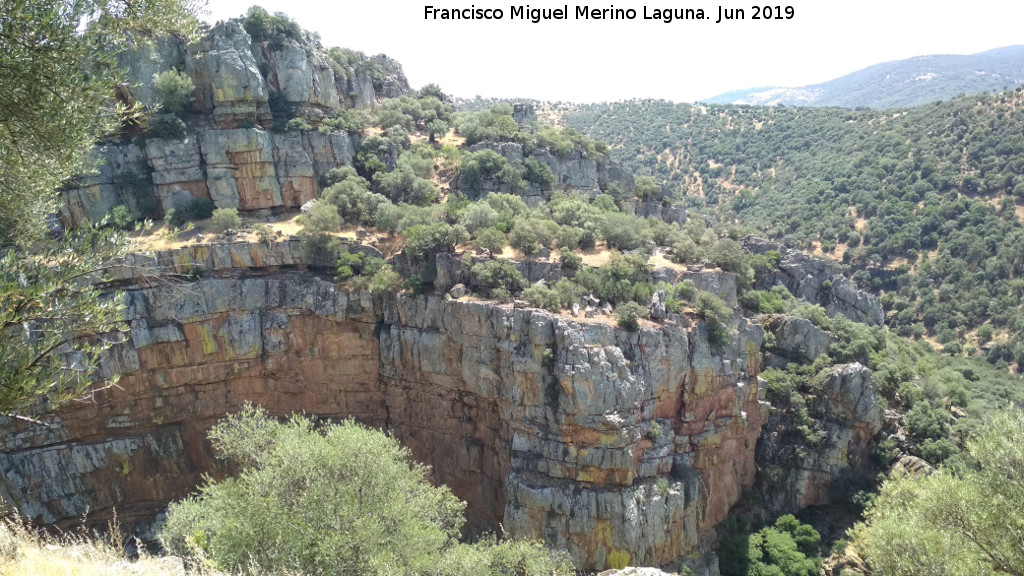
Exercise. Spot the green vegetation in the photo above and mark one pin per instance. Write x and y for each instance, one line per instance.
(321, 217)
(173, 90)
(224, 219)
(920, 203)
(332, 499)
(169, 127)
(629, 314)
(274, 29)
(789, 548)
(954, 522)
(357, 264)
(62, 57)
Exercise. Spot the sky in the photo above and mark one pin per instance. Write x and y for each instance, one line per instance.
(684, 61)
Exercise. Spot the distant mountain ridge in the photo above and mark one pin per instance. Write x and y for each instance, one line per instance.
(898, 84)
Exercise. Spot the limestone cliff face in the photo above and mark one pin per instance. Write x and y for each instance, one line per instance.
(619, 446)
(806, 278)
(229, 153)
(244, 168)
(851, 417)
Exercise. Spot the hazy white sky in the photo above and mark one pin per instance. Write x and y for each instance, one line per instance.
(588, 61)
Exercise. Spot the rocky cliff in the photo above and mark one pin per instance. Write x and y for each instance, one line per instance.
(815, 281)
(620, 446)
(821, 473)
(229, 153)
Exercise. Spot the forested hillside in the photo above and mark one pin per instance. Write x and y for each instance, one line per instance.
(921, 203)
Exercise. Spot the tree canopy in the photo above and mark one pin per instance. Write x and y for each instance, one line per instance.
(952, 523)
(333, 499)
(60, 78)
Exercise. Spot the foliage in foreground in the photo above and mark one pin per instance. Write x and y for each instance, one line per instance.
(332, 499)
(47, 304)
(62, 58)
(969, 522)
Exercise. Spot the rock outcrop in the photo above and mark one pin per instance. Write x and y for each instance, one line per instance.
(814, 280)
(245, 168)
(229, 153)
(851, 418)
(796, 340)
(574, 172)
(623, 447)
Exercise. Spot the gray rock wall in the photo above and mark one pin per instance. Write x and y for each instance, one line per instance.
(621, 447)
(229, 155)
(806, 278)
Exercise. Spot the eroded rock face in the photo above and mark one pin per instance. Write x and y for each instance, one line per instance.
(796, 340)
(813, 280)
(851, 420)
(245, 168)
(229, 154)
(228, 81)
(622, 447)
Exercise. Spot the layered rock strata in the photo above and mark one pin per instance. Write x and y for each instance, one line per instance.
(229, 154)
(623, 447)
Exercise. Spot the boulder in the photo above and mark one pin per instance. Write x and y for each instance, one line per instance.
(796, 340)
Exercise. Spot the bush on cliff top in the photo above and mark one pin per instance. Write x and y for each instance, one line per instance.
(332, 499)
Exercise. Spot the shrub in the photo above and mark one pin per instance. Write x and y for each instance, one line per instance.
(501, 295)
(264, 234)
(478, 215)
(787, 549)
(711, 308)
(425, 239)
(174, 218)
(685, 290)
(646, 186)
(571, 261)
(539, 173)
(322, 217)
(629, 314)
(352, 197)
(729, 256)
(490, 239)
(319, 250)
(622, 231)
(605, 203)
(297, 124)
(173, 90)
(352, 264)
(275, 29)
(122, 218)
(488, 165)
(494, 274)
(225, 219)
(386, 280)
(543, 297)
(201, 209)
(686, 251)
(569, 292)
(166, 126)
(622, 278)
(363, 505)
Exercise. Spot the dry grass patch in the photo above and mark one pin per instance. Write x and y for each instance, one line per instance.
(24, 552)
